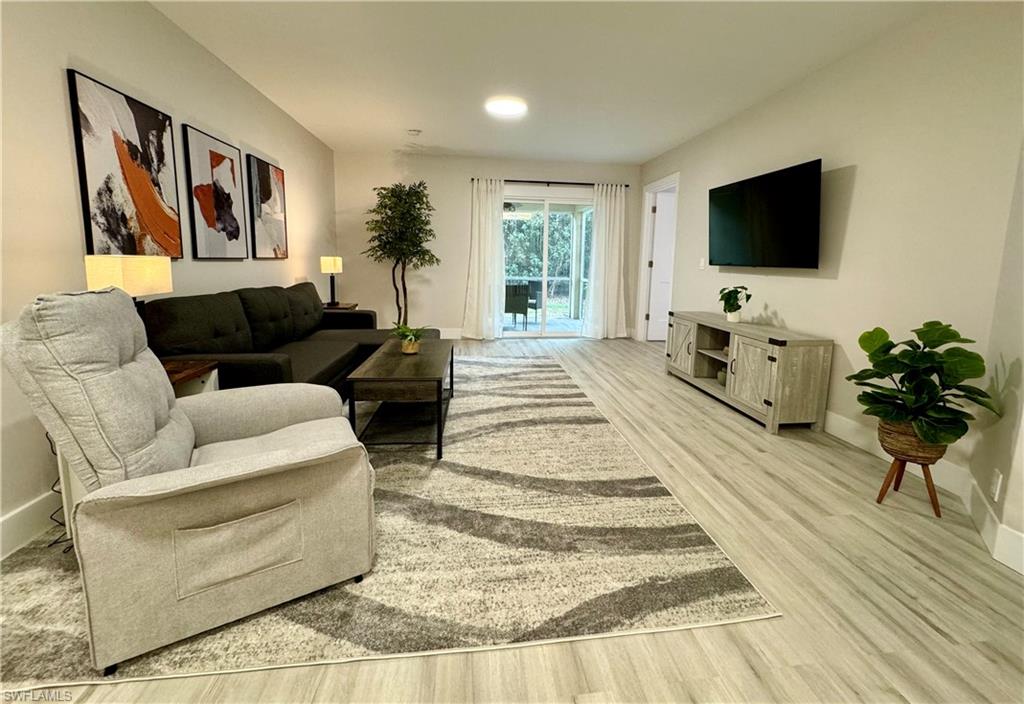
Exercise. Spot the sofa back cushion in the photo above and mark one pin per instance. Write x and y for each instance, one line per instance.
(99, 390)
(208, 324)
(307, 308)
(270, 316)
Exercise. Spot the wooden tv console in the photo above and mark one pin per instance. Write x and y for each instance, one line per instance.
(775, 376)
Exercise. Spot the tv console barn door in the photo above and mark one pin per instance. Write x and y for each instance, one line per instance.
(749, 373)
(679, 347)
(775, 376)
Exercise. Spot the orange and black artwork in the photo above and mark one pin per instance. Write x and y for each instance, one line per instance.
(126, 171)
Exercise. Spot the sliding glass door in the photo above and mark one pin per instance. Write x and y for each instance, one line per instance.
(547, 256)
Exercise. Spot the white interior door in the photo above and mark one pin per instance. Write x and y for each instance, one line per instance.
(663, 245)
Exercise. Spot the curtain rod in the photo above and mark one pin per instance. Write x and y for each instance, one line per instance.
(553, 183)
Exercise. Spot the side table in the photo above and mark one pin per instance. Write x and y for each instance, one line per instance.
(190, 377)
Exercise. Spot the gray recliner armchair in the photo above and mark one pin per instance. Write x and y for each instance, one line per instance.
(196, 511)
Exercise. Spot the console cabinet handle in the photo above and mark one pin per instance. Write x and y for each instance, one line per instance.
(732, 367)
(689, 348)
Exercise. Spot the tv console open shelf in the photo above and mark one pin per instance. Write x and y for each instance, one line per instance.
(775, 376)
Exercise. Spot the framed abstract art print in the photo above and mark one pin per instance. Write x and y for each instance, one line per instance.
(267, 208)
(126, 171)
(213, 177)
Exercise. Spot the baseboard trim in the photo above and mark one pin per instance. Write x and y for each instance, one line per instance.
(27, 522)
(1004, 543)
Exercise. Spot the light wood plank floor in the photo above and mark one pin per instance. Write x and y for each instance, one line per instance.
(880, 603)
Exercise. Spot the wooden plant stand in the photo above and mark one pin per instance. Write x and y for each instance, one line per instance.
(896, 470)
(902, 443)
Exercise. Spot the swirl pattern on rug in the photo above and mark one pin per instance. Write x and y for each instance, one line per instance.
(541, 523)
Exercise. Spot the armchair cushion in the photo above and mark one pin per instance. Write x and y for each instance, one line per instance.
(256, 410)
(87, 353)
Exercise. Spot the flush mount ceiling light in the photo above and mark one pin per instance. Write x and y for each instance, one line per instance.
(506, 107)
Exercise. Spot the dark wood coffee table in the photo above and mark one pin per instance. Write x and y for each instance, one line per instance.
(393, 377)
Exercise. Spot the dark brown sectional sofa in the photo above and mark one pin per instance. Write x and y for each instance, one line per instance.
(265, 335)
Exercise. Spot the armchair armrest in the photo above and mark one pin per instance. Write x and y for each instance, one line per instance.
(237, 369)
(256, 410)
(348, 319)
(161, 486)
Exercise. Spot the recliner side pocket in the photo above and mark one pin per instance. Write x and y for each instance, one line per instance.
(211, 556)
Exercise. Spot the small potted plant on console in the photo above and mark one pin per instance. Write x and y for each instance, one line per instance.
(732, 299)
(410, 337)
(919, 410)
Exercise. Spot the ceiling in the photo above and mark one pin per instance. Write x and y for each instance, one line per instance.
(605, 82)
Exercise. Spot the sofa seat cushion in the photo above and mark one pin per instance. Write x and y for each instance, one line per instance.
(368, 340)
(319, 361)
(367, 337)
(269, 314)
(206, 324)
(297, 435)
(307, 308)
(376, 338)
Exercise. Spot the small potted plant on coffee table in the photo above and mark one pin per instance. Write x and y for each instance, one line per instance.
(410, 337)
(732, 299)
(919, 408)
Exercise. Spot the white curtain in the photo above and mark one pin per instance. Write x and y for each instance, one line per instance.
(485, 288)
(606, 303)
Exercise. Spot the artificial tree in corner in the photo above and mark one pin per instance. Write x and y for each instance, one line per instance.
(920, 404)
(400, 223)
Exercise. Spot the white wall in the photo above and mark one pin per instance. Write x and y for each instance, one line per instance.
(437, 295)
(920, 135)
(134, 48)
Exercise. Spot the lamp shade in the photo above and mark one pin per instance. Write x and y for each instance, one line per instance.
(330, 265)
(138, 275)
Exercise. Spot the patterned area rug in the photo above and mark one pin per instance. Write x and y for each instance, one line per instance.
(541, 523)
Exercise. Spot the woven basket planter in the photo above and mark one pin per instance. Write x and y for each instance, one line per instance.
(900, 441)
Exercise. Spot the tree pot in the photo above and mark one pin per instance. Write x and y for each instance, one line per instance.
(410, 346)
(733, 317)
(899, 440)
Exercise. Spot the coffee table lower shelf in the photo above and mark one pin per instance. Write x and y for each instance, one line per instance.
(408, 423)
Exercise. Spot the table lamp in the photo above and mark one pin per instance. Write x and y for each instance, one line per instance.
(332, 266)
(136, 275)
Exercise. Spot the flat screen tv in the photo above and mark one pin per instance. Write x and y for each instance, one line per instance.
(771, 220)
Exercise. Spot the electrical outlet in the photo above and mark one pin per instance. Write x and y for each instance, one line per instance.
(703, 264)
(996, 487)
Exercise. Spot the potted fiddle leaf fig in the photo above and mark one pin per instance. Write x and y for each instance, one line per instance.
(733, 298)
(916, 389)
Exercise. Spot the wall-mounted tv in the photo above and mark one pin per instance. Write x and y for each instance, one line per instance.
(771, 220)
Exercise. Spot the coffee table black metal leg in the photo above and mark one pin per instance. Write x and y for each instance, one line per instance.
(440, 417)
(352, 407)
(451, 375)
